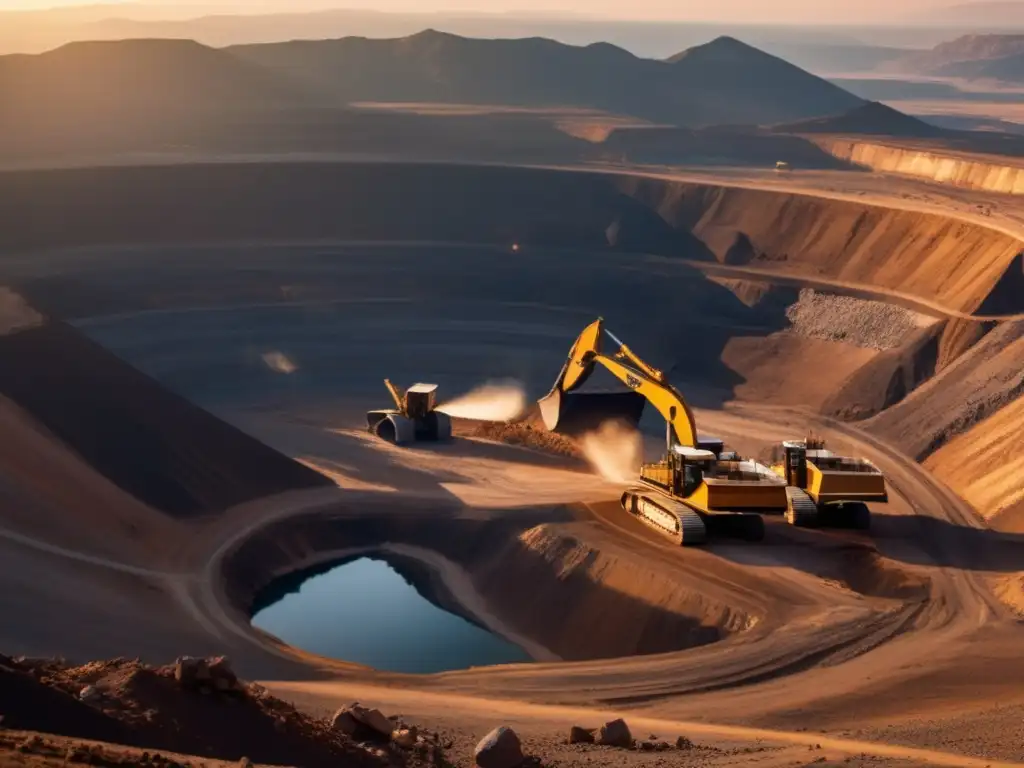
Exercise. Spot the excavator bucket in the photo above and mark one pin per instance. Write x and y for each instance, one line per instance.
(576, 413)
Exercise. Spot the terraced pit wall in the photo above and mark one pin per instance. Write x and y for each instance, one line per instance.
(962, 265)
(970, 172)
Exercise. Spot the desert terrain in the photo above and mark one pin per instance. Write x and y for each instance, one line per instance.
(225, 326)
(207, 271)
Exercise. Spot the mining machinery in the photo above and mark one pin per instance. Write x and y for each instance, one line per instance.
(414, 418)
(696, 489)
(826, 489)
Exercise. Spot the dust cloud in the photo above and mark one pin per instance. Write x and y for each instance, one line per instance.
(498, 401)
(615, 450)
(279, 363)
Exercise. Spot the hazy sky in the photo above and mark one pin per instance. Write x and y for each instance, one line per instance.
(755, 11)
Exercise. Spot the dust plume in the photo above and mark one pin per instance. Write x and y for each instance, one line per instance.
(279, 363)
(499, 401)
(615, 450)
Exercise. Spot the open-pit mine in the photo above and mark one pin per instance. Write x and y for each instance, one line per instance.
(189, 352)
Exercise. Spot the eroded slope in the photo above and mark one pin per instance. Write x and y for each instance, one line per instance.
(929, 255)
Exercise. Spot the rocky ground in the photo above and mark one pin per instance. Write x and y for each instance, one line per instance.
(195, 713)
(194, 706)
(864, 323)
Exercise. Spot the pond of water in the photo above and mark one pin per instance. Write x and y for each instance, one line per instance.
(366, 612)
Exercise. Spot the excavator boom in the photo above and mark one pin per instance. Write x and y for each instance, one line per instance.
(692, 491)
(647, 384)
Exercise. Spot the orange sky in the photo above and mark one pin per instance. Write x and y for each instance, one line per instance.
(753, 11)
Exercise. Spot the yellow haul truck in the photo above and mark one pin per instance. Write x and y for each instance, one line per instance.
(696, 489)
(826, 489)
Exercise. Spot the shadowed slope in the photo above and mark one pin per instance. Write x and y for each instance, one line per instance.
(155, 445)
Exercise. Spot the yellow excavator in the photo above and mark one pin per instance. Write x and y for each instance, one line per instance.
(697, 489)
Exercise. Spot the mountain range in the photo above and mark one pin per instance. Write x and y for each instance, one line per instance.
(971, 57)
(722, 82)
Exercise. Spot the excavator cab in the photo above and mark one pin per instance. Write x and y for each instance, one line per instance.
(795, 453)
(692, 465)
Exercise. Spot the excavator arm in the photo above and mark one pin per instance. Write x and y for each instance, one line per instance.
(647, 385)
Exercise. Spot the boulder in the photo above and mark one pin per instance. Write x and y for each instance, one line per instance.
(499, 749)
(345, 722)
(615, 734)
(89, 694)
(373, 719)
(190, 672)
(578, 735)
(224, 678)
(683, 743)
(404, 737)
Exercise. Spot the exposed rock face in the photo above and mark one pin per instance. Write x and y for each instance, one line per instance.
(344, 721)
(188, 671)
(959, 170)
(205, 675)
(499, 749)
(373, 719)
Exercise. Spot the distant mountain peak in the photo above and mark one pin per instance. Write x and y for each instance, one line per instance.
(433, 34)
(724, 48)
(133, 44)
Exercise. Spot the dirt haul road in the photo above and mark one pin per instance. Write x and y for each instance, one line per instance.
(811, 629)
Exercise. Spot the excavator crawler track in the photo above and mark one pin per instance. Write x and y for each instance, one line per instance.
(669, 518)
(801, 510)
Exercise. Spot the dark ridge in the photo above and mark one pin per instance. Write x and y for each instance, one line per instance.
(870, 119)
(155, 445)
(725, 81)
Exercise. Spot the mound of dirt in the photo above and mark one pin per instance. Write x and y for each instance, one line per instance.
(126, 702)
(528, 433)
(860, 322)
(155, 445)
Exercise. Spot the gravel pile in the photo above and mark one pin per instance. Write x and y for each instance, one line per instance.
(861, 322)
